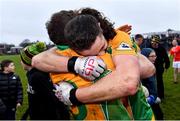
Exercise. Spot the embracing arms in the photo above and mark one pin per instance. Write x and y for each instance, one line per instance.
(123, 81)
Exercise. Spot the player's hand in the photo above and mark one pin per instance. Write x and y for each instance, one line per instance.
(62, 92)
(126, 28)
(90, 67)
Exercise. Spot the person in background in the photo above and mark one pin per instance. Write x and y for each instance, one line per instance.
(43, 105)
(162, 61)
(175, 52)
(138, 41)
(11, 91)
(151, 84)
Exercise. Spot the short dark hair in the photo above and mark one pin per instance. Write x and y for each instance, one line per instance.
(81, 32)
(138, 36)
(55, 26)
(5, 63)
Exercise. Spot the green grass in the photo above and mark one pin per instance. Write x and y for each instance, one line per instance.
(170, 104)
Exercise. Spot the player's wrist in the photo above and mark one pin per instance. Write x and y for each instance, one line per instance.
(71, 64)
(73, 97)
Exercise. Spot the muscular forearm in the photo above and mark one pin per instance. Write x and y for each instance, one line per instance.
(102, 90)
(121, 82)
(49, 61)
(147, 69)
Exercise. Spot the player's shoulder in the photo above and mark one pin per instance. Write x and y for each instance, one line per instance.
(121, 37)
(121, 34)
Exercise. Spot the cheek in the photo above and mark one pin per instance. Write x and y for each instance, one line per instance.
(12, 67)
(96, 53)
(151, 59)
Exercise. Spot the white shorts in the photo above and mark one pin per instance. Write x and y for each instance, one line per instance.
(176, 64)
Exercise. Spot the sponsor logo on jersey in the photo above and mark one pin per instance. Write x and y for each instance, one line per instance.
(124, 46)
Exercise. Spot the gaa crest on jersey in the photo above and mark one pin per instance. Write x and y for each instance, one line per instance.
(124, 46)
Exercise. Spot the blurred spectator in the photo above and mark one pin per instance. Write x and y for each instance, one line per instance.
(151, 84)
(11, 93)
(138, 41)
(175, 52)
(162, 61)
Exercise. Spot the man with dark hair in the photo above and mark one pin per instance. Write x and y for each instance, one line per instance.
(84, 30)
(93, 110)
(80, 41)
(55, 28)
(138, 41)
(162, 62)
(92, 98)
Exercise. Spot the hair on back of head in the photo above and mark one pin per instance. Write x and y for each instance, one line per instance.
(55, 26)
(138, 36)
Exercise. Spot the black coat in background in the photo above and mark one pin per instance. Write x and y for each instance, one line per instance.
(43, 104)
(162, 62)
(11, 93)
(2, 109)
